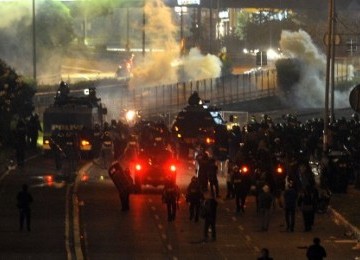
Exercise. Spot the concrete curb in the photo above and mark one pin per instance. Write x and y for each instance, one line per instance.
(338, 218)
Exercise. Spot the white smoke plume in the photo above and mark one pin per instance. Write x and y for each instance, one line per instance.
(310, 91)
(165, 66)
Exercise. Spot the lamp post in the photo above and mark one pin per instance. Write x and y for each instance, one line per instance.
(329, 43)
(34, 39)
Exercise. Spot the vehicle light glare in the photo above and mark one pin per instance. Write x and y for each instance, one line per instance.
(244, 169)
(84, 142)
(138, 167)
(172, 168)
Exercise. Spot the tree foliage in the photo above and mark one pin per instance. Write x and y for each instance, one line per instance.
(263, 30)
(16, 98)
(54, 25)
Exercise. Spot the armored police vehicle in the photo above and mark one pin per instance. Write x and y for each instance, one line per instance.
(76, 114)
(200, 124)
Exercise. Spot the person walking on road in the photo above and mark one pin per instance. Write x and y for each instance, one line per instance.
(209, 212)
(194, 197)
(316, 251)
(290, 200)
(307, 203)
(212, 176)
(171, 196)
(265, 204)
(24, 199)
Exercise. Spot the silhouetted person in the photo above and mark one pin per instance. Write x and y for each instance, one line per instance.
(209, 214)
(194, 197)
(171, 196)
(194, 99)
(265, 255)
(316, 251)
(24, 199)
(20, 142)
(33, 129)
(123, 182)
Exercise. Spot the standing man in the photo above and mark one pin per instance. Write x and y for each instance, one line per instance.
(171, 196)
(242, 184)
(202, 160)
(290, 200)
(20, 142)
(265, 204)
(33, 129)
(209, 214)
(307, 202)
(194, 197)
(123, 182)
(24, 199)
(212, 176)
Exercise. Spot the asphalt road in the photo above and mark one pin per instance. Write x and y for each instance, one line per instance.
(83, 220)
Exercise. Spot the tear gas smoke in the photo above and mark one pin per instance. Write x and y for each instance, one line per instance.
(158, 68)
(310, 91)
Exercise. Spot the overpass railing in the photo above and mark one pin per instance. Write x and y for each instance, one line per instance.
(171, 98)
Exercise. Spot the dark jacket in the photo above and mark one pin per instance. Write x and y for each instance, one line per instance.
(290, 198)
(211, 208)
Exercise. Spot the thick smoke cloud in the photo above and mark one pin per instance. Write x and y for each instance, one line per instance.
(168, 66)
(310, 91)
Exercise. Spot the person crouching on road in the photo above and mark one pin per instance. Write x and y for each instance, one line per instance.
(123, 182)
(171, 196)
(194, 197)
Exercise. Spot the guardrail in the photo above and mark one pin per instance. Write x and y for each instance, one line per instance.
(171, 98)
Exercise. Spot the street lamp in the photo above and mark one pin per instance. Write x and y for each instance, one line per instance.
(34, 39)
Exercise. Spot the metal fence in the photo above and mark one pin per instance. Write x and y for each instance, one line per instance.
(157, 100)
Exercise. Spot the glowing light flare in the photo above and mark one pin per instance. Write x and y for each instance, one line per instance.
(272, 54)
(85, 143)
(172, 168)
(209, 140)
(48, 179)
(279, 170)
(130, 115)
(244, 169)
(84, 177)
(138, 167)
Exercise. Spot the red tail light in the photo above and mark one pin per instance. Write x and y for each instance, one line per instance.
(138, 167)
(245, 169)
(172, 168)
(279, 170)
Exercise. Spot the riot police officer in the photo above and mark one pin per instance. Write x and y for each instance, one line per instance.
(194, 196)
(242, 184)
(123, 182)
(62, 93)
(171, 196)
